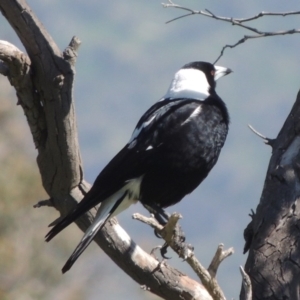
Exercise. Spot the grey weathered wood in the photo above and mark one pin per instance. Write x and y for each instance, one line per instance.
(43, 80)
(172, 234)
(273, 263)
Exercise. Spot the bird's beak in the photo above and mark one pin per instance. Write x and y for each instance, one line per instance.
(221, 71)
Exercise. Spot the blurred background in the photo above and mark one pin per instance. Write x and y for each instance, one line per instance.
(126, 61)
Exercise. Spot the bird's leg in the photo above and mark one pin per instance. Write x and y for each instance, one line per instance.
(179, 238)
(159, 213)
(163, 217)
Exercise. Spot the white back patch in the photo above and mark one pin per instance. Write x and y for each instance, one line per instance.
(189, 83)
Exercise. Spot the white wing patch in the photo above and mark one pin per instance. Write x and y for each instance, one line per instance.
(158, 113)
(137, 131)
(194, 114)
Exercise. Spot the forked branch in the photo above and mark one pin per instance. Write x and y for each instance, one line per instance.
(172, 235)
(43, 79)
(240, 22)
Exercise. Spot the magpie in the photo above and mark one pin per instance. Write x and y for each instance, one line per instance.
(172, 149)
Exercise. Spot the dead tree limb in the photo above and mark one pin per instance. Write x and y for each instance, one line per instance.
(172, 235)
(43, 80)
(240, 22)
(274, 250)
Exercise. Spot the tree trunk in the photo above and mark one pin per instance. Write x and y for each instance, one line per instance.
(273, 235)
(44, 84)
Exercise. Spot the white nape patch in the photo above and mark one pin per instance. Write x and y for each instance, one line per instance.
(137, 131)
(291, 152)
(194, 114)
(189, 83)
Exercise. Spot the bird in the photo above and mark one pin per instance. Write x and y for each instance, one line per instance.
(173, 147)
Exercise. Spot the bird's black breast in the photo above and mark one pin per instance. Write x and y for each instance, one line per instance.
(187, 143)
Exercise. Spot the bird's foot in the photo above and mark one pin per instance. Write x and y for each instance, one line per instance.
(184, 250)
(178, 238)
(156, 233)
(162, 249)
(159, 213)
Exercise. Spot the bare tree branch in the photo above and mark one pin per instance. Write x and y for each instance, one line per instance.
(274, 252)
(246, 282)
(43, 80)
(237, 22)
(266, 140)
(217, 259)
(171, 235)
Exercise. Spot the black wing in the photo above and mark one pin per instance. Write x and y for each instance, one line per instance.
(142, 151)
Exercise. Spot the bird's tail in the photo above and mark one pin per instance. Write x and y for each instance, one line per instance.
(86, 240)
(87, 203)
(63, 223)
(109, 208)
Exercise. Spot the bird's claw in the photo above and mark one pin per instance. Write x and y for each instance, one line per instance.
(164, 250)
(157, 234)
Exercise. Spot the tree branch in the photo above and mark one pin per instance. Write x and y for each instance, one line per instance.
(43, 80)
(171, 234)
(274, 250)
(237, 22)
(246, 283)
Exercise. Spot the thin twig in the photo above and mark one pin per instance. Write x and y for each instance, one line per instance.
(180, 17)
(237, 22)
(266, 140)
(264, 13)
(259, 35)
(220, 255)
(48, 202)
(256, 132)
(246, 282)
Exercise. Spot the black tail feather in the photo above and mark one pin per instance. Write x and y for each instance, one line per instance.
(81, 208)
(86, 240)
(79, 249)
(62, 224)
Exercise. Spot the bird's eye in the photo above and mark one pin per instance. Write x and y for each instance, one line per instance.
(212, 72)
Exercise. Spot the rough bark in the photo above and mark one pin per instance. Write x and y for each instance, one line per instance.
(43, 80)
(273, 263)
